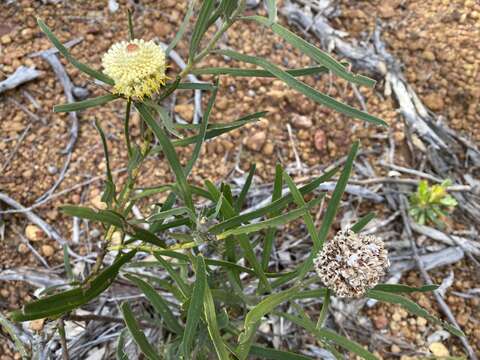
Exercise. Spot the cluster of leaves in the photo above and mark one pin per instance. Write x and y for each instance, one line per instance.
(219, 299)
(432, 203)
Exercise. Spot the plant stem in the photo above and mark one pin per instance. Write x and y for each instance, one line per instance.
(63, 340)
(324, 311)
(127, 127)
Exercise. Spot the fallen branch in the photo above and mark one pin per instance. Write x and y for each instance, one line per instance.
(22, 75)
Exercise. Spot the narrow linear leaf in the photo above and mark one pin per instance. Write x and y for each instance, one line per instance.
(246, 186)
(201, 26)
(196, 86)
(273, 354)
(195, 308)
(404, 289)
(414, 308)
(273, 222)
(85, 104)
(212, 325)
(270, 235)
(313, 52)
(304, 88)
(272, 10)
(137, 334)
(203, 131)
(120, 352)
(276, 205)
(158, 303)
(314, 70)
(169, 152)
(325, 334)
(63, 50)
(182, 28)
(362, 222)
(9, 328)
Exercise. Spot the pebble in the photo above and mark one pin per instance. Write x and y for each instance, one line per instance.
(185, 111)
(268, 149)
(33, 233)
(162, 29)
(301, 121)
(320, 140)
(98, 203)
(256, 141)
(48, 250)
(36, 325)
(380, 322)
(22, 248)
(6, 39)
(434, 102)
(439, 350)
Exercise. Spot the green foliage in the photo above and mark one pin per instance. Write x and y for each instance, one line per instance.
(220, 299)
(431, 203)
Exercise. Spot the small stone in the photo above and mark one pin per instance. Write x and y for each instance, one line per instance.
(439, 350)
(36, 325)
(4, 293)
(429, 55)
(434, 101)
(256, 141)
(162, 29)
(421, 321)
(33, 233)
(47, 250)
(222, 104)
(395, 349)
(301, 121)
(6, 39)
(22, 248)
(268, 149)
(98, 203)
(185, 111)
(386, 11)
(320, 140)
(396, 316)
(52, 169)
(380, 322)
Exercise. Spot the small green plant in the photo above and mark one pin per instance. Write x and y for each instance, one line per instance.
(222, 294)
(432, 203)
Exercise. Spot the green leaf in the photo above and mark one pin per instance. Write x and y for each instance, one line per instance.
(270, 235)
(314, 70)
(63, 50)
(266, 353)
(172, 212)
(254, 316)
(140, 339)
(200, 26)
(196, 86)
(195, 308)
(304, 88)
(404, 289)
(246, 186)
(120, 352)
(85, 104)
(272, 10)
(412, 307)
(362, 222)
(57, 304)
(212, 325)
(203, 131)
(310, 224)
(109, 195)
(104, 216)
(182, 285)
(273, 222)
(324, 334)
(169, 152)
(9, 329)
(276, 205)
(313, 52)
(158, 303)
(182, 27)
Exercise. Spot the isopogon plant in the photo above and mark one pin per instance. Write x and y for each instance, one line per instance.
(221, 296)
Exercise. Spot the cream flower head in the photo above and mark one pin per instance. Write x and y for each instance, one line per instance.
(350, 263)
(137, 67)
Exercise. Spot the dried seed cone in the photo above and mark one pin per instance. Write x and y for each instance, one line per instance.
(350, 264)
(137, 67)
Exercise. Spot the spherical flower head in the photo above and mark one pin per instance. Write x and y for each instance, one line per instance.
(350, 263)
(137, 68)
